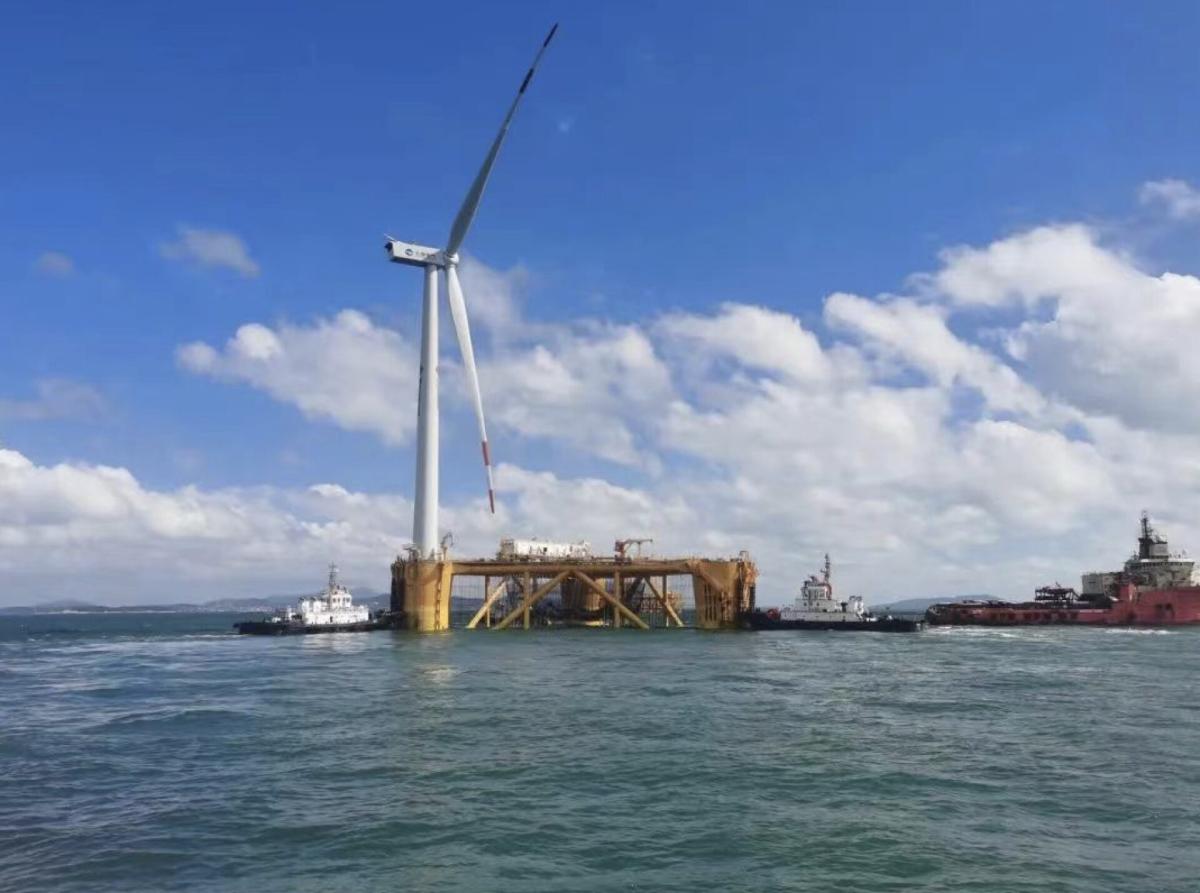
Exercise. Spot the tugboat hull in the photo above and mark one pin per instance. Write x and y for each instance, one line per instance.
(760, 620)
(296, 628)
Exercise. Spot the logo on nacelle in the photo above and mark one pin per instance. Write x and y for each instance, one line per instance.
(417, 255)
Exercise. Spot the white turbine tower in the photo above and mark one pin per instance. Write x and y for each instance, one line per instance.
(425, 510)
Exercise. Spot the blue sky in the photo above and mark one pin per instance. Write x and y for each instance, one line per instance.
(670, 159)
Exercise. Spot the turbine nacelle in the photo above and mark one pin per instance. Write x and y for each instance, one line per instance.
(414, 255)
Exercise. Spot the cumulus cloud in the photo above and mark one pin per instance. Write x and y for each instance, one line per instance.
(89, 530)
(346, 370)
(1178, 197)
(755, 337)
(1028, 267)
(996, 427)
(55, 398)
(492, 296)
(583, 384)
(916, 336)
(211, 248)
(54, 263)
(1112, 338)
(942, 459)
(591, 386)
(92, 529)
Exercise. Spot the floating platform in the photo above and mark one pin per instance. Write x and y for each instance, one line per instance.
(614, 592)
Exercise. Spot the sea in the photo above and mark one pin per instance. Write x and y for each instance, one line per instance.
(160, 752)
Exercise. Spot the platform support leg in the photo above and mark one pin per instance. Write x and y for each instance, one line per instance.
(426, 606)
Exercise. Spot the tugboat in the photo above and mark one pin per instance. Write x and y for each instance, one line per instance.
(1155, 588)
(333, 611)
(816, 608)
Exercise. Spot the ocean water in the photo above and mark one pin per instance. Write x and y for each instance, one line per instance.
(159, 752)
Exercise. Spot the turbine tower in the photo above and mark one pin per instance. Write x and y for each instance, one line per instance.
(425, 509)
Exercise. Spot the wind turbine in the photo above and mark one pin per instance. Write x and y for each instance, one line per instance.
(425, 509)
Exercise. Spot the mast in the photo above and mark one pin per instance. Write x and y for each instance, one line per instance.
(1146, 540)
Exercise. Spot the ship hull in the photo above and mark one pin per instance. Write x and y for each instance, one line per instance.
(1157, 607)
(292, 628)
(758, 620)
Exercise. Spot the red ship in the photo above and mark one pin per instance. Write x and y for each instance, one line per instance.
(1155, 589)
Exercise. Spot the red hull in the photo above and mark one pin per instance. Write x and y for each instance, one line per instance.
(1147, 607)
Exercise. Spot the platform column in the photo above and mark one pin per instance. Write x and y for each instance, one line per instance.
(526, 592)
(619, 594)
(723, 590)
(426, 607)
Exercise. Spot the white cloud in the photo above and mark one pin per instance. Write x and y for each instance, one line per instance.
(491, 295)
(916, 336)
(1111, 338)
(56, 398)
(928, 454)
(591, 386)
(346, 370)
(54, 263)
(1029, 267)
(96, 531)
(756, 337)
(1178, 197)
(754, 434)
(582, 384)
(211, 248)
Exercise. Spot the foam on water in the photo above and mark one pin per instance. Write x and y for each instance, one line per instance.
(164, 754)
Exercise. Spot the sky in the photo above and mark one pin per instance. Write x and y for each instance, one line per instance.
(914, 284)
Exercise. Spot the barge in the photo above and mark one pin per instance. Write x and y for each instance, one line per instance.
(1155, 588)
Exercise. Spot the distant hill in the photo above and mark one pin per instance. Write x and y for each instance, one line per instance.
(921, 605)
(247, 605)
(69, 604)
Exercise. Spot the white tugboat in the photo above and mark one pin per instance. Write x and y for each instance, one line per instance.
(816, 608)
(332, 611)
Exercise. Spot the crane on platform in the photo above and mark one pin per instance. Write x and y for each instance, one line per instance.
(621, 548)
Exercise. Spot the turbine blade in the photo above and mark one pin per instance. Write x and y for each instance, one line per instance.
(458, 313)
(466, 213)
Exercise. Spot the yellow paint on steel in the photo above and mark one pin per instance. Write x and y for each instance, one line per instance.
(492, 598)
(662, 599)
(624, 611)
(444, 588)
(530, 600)
(596, 568)
(723, 587)
(697, 568)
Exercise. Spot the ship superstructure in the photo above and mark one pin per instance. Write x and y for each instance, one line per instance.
(332, 607)
(1154, 588)
(817, 608)
(330, 611)
(816, 601)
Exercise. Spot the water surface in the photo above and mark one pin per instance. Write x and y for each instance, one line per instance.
(158, 752)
